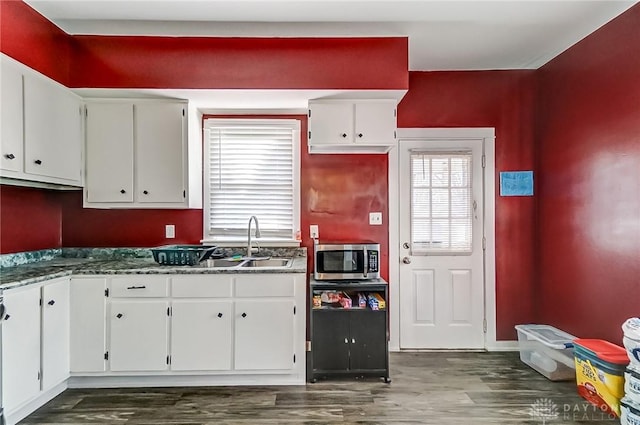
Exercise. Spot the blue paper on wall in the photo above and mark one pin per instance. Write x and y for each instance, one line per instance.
(516, 183)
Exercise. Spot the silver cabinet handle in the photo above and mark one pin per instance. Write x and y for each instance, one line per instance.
(353, 340)
(346, 340)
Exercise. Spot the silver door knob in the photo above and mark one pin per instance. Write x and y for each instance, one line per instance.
(406, 260)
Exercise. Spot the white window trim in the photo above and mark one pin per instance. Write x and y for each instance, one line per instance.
(229, 241)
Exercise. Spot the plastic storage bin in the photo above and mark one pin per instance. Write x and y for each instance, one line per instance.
(547, 350)
(600, 367)
(631, 341)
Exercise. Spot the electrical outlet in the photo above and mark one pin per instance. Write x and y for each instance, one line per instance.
(170, 231)
(375, 218)
(314, 233)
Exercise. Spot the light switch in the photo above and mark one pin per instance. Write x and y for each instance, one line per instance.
(375, 218)
(170, 231)
(314, 233)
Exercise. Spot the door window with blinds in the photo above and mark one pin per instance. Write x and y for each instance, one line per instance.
(251, 167)
(441, 203)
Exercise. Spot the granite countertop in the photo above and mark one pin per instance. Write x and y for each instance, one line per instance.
(26, 274)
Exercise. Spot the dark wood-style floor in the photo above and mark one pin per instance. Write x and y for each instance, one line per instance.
(428, 388)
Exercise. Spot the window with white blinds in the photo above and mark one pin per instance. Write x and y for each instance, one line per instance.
(441, 203)
(251, 168)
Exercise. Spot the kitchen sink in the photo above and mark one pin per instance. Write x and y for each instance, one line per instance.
(271, 262)
(222, 263)
(248, 262)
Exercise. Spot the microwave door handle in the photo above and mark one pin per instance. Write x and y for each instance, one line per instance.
(366, 262)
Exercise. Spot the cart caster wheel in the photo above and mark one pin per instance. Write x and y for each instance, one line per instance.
(387, 380)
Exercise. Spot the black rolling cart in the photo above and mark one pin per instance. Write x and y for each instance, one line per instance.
(348, 339)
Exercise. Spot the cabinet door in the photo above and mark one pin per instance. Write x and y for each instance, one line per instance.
(55, 333)
(109, 152)
(330, 340)
(375, 123)
(201, 335)
(331, 123)
(52, 130)
(264, 334)
(159, 135)
(21, 347)
(368, 340)
(138, 335)
(11, 131)
(88, 330)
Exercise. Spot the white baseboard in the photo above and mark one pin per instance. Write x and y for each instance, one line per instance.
(503, 346)
(182, 381)
(25, 410)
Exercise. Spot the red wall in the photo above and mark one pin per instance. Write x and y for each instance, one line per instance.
(504, 100)
(239, 63)
(28, 37)
(30, 219)
(589, 183)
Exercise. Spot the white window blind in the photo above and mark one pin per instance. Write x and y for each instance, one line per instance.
(441, 203)
(251, 168)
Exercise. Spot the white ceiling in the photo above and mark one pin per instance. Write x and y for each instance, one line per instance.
(443, 35)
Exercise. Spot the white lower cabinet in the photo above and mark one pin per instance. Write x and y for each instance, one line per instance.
(88, 326)
(139, 335)
(35, 346)
(201, 335)
(55, 334)
(264, 334)
(210, 329)
(20, 347)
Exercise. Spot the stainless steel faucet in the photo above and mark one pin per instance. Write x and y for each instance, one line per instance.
(257, 234)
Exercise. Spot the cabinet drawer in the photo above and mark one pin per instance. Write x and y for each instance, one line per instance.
(139, 286)
(276, 285)
(207, 286)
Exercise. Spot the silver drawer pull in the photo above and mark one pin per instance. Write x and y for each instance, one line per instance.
(346, 341)
(136, 287)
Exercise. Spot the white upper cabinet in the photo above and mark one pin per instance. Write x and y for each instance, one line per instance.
(352, 126)
(41, 128)
(160, 172)
(109, 175)
(11, 130)
(136, 154)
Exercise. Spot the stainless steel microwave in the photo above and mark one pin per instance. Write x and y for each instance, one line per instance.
(346, 261)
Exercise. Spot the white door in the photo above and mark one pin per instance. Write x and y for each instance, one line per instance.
(441, 232)
(331, 123)
(21, 347)
(201, 335)
(139, 336)
(55, 333)
(375, 122)
(264, 335)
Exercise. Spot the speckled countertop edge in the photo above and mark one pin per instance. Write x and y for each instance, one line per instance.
(32, 273)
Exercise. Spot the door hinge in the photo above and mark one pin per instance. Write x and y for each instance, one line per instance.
(86, 111)
(484, 325)
(294, 358)
(309, 113)
(184, 193)
(183, 112)
(309, 134)
(40, 302)
(168, 311)
(39, 375)
(395, 136)
(106, 292)
(168, 359)
(294, 309)
(308, 346)
(484, 243)
(106, 355)
(395, 112)
(484, 161)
